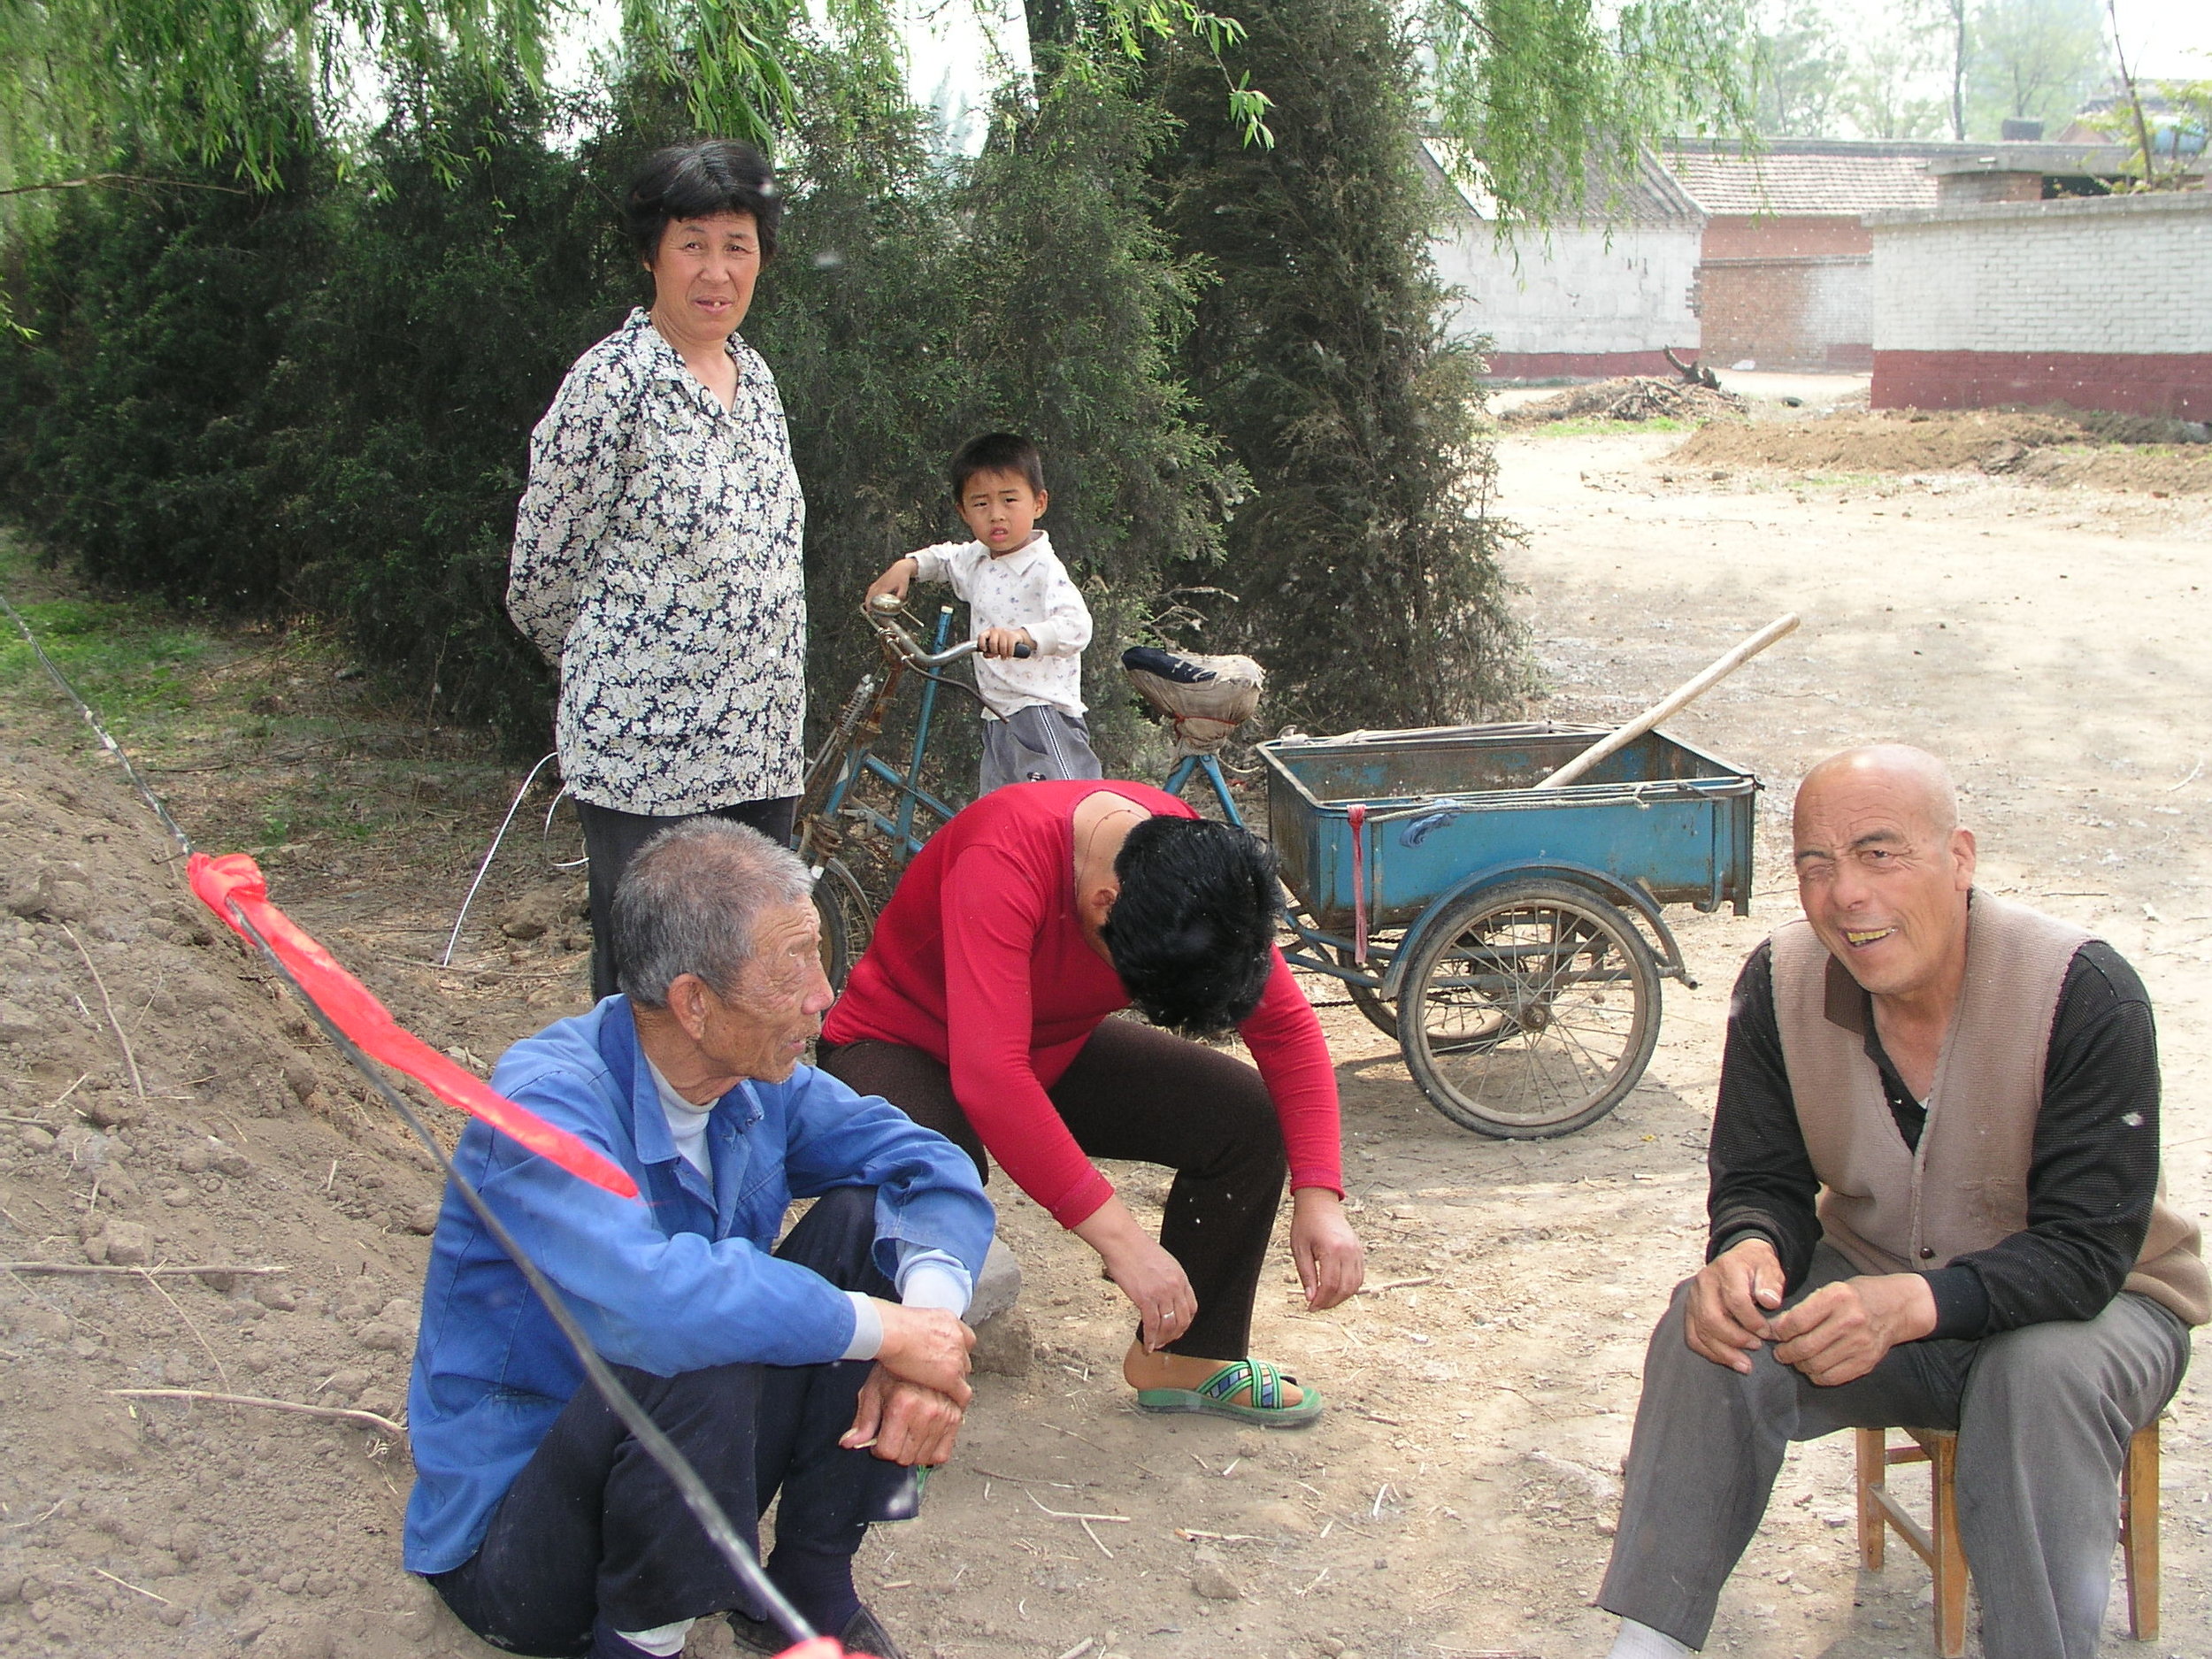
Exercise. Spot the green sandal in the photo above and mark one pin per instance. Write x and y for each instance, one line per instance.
(1211, 1397)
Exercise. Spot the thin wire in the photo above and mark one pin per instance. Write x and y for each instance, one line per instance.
(91, 719)
(545, 836)
(712, 1519)
(490, 853)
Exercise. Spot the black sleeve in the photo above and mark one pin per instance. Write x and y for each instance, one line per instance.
(2093, 1171)
(1762, 1177)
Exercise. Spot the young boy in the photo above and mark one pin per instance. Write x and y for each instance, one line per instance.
(1019, 592)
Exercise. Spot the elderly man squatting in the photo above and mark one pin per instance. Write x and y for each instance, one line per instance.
(1935, 1201)
(657, 552)
(534, 1515)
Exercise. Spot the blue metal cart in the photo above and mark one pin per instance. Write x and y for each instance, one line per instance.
(1512, 938)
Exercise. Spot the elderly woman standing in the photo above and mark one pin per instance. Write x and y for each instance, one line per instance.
(656, 556)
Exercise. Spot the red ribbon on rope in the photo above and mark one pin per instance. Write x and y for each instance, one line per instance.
(1355, 815)
(234, 879)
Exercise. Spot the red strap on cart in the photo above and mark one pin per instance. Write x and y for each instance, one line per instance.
(1355, 816)
(234, 879)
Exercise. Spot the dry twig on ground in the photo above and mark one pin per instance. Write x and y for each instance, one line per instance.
(334, 1414)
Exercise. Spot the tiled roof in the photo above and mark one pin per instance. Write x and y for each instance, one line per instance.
(1648, 196)
(1817, 177)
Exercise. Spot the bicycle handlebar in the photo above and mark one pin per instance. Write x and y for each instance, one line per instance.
(880, 615)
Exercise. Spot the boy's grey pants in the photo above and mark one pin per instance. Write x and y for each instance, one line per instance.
(2043, 1414)
(1036, 745)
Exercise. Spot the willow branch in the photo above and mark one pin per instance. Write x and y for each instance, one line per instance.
(123, 181)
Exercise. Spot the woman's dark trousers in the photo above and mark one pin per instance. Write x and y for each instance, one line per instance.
(1140, 1094)
(592, 1534)
(612, 839)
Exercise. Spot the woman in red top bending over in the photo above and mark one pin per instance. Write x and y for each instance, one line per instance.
(981, 1008)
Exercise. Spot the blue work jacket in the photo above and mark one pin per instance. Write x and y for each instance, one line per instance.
(677, 1279)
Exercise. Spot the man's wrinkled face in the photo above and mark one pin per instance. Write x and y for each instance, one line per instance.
(762, 1028)
(1884, 883)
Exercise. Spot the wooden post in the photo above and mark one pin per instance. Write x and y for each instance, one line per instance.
(2138, 1533)
(1950, 1554)
(1681, 698)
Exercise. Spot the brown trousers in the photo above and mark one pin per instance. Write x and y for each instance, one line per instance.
(1139, 1094)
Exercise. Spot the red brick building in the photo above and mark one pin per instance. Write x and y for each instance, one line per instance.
(1786, 280)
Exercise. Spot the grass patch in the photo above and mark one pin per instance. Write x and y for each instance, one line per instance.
(129, 658)
(1594, 427)
(259, 735)
(1844, 480)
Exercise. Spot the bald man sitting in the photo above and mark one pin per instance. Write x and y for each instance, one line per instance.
(1935, 1201)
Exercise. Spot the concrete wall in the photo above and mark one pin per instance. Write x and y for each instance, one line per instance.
(1576, 306)
(2102, 303)
(1788, 292)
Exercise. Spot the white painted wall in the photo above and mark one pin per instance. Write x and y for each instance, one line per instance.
(1577, 291)
(2123, 274)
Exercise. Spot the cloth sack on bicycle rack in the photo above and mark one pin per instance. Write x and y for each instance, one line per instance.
(1205, 698)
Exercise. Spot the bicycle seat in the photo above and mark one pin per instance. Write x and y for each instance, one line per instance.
(1205, 698)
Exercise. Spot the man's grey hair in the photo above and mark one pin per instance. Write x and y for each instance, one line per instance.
(691, 902)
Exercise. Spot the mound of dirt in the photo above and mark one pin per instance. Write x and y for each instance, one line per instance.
(166, 1526)
(1635, 397)
(2049, 446)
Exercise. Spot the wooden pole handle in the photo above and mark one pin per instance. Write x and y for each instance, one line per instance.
(1681, 698)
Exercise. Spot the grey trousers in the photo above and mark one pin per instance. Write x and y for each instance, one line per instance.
(2043, 1415)
(1036, 745)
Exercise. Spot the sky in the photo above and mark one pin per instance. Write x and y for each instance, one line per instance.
(949, 48)
(2172, 38)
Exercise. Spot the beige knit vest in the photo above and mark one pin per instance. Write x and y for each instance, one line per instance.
(1890, 1209)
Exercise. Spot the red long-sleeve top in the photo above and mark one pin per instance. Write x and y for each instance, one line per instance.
(979, 962)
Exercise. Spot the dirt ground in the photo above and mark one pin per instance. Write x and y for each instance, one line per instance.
(1457, 1498)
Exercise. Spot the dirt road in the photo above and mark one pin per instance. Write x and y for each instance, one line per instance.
(1457, 1498)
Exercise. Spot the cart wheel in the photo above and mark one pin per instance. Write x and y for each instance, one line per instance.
(1530, 1010)
(849, 920)
(1377, 1007)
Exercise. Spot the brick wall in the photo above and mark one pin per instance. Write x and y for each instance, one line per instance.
(1787, 293)
(1784, 236)
(2104, 303)
(1812, 314)
(1954, 189)
(1578, 304)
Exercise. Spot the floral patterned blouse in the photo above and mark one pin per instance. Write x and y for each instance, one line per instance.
(656, 559)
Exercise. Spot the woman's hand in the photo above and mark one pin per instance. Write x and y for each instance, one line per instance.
(893, 581)
(1332, 1262)
(1152, 1279)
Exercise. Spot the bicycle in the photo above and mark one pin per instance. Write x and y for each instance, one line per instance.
(837, 816)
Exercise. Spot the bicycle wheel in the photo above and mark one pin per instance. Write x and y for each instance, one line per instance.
(1530, 1010)
(849, 920)
(1381, 1014)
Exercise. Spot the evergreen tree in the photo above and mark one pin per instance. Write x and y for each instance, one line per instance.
(135, 408)
(466, 284)
(1076, 307)
(1364, 557)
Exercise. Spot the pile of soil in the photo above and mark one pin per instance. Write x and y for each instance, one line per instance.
(162, 1526)
(1634, 397)
(2105, 452)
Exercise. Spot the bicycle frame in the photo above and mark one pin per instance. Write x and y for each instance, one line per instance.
(849, 759)
(1209, 767)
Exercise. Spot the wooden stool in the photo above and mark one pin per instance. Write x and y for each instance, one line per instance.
(1939, 1544)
